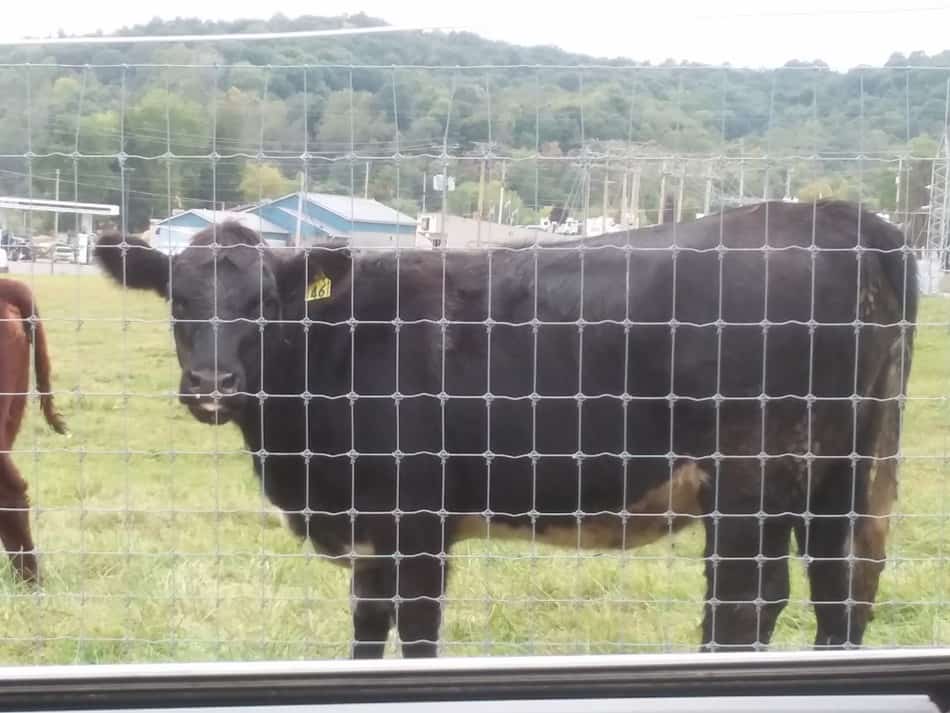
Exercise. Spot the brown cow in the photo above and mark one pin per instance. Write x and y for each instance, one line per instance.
(19, 325)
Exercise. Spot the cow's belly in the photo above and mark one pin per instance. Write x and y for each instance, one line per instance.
(666, 508)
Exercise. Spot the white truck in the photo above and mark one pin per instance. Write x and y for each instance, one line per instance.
(75, 248)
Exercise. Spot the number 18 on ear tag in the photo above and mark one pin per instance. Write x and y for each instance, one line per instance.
(319, 289)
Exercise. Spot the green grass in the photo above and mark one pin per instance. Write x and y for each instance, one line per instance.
(161, 555)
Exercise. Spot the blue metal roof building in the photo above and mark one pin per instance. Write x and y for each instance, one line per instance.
(360, 222)
(174, 233)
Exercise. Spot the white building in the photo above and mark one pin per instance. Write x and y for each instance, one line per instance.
(458, 233)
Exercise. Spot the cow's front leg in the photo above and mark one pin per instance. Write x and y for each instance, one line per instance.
(402, 582)
(373, 607)
(419, 608)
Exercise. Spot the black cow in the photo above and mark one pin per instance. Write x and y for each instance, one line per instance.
(744, 371)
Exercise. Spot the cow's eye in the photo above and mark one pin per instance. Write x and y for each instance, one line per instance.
(269, 306)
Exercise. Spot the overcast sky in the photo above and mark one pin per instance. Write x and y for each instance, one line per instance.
(752, 33)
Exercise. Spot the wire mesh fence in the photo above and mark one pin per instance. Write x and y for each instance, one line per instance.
(553, 359)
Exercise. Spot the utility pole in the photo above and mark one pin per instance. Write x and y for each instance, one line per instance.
(603, 219)
(587, 173)
(501, 191)
(624, 207)
(56, 215)
(635, 196)
(741, 172)
(443, 230)
(481, 204)
(52, 261)
(366, 182)
(707, 199)
(299, 210)
(662, 206)
(897, 188)
(425, 180)
(481, 189)
(681, 195)
(788, 184)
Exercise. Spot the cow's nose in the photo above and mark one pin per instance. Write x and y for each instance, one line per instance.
(203, 381)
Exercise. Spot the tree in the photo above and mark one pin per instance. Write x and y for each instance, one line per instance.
(464, 200)
(816, 190)
(191, 118)
(264, 180)
(353, 120)
(923, 150)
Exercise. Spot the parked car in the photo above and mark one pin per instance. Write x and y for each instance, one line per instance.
(20, 249)
(75, 248)
(16, 248)
(4, 264)
(63, 251)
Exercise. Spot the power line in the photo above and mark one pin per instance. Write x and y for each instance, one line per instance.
(223, 37)
(102, 187)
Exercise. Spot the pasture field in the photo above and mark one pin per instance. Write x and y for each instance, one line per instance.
(157, 545)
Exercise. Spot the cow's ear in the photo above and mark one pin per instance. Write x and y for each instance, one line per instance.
(133, 263)
(313, 273)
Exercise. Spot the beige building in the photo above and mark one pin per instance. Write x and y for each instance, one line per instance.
(458, 233)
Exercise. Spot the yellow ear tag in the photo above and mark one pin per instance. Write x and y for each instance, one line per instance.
(319, 289)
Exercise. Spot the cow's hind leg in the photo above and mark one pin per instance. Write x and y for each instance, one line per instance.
(844, 544)
(746, 564)
(824, 543)
(15, 521)
(845, 541)
(881, 445)
(870, 542)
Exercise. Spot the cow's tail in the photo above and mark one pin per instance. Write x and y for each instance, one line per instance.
(22, 299)
(43, 381)
(879, 435)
